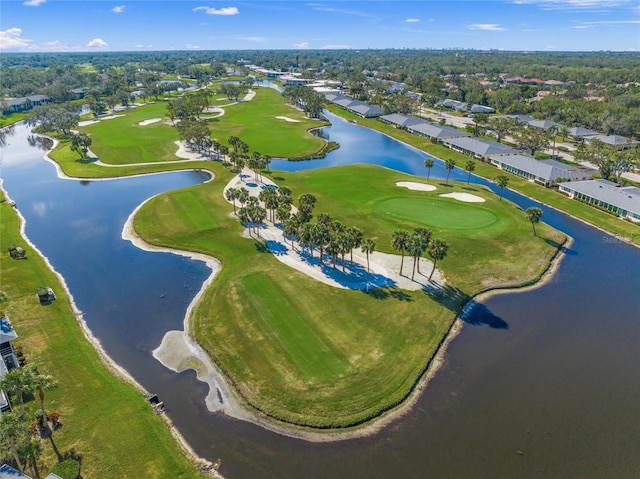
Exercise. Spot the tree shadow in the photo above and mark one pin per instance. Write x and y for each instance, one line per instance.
(446, 185)
(387, 292)
(466, 308)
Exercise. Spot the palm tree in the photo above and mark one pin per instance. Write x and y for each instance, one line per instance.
(450, 164)
(553, 132)
(428, 164)
(17, 382)
(400, 241)
(368, 246)
(232, 194)
(283, 213)
(470, 165)
(355, 239)
(502, 181)
(42, 383)
(534, 215)
(320, 237)
(12, 425)
(437, 251)
(32, 448)
(424, 235)
(243, 195)
(415, 249)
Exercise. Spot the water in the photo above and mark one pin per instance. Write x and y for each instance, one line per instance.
(554, 394)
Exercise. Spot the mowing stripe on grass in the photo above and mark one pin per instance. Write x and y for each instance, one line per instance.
(308, 351)
(192, 209)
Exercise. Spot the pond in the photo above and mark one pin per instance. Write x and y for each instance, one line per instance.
(551, 392)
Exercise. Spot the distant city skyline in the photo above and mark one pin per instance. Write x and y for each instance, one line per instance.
(145, 25)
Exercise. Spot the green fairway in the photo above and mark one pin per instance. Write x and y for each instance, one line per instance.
(437, 212)
(256, 123)
(311, 354)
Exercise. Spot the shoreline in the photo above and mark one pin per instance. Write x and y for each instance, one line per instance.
(222, 396)
(205, 466)
(366, 429)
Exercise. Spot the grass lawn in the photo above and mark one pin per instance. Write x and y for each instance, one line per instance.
(550, 196)
(104, 419)
(310, 354)
(255, 122)
(124, 141)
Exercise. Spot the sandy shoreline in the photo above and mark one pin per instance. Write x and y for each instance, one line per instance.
(186, 349)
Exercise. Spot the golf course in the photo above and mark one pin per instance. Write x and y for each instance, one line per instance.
(297, 352)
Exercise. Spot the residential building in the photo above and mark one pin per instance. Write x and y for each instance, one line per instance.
(482, 109)
(579, 133)
(401, 121)
(621, 200)
(620, 142)
(545, 172)
(25, 103)
(437, 133)
(480, 149)
(9, 358)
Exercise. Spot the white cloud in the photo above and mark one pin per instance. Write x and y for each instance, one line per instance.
(576, 4)
(11, 39)
(302, 45)
(118, 9)
(97, 43)
(218, 11)
(613, 22)
(492, 27)
(252, 39)
(336, 47)
(33, 3)
(189, 46)
(412, 20)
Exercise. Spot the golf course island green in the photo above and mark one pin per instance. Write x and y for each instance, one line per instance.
(307, 354)
(296, 351)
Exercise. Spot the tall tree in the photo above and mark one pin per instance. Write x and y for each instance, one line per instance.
(232, 194)
(502, 181)
(18, 382)
(399, 242)
(368, 246)
(470, 165)
(449, 165)
(42, 383)
(534, 215)
(437, 250)
(428, 164)
(12, 426)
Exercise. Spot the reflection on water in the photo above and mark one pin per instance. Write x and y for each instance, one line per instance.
(538, 385)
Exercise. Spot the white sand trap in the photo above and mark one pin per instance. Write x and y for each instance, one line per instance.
(466, 197)
(249, 95)
(287, 119)
(415, 186)
(110, 117)
(148, 122)
(88, 122)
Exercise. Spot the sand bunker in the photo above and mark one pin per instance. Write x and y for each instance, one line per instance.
(415, 186)
(148, 122)
(87, 122)
(466, 197)
(287, 119)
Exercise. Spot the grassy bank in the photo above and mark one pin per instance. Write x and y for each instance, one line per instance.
(551, 197)
(104, 419)
(314, 355)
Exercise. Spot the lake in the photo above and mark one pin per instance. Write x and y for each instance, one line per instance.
(552, 394)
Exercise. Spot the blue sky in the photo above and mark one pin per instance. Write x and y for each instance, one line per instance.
(139, 25)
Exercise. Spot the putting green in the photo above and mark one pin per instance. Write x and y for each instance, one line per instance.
(439, 213)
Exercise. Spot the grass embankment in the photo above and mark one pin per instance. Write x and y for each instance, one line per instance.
(104, 419)
(549, 196)
(310, 354)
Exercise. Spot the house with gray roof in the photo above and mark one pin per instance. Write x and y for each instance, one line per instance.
(623, 201)
(401, 121)
(544, 124)
(579, 133)
(482, 109)
(25, 102)
(545, 172)
(434, 132)
(480, 149)
(365, 110)
(620, 142)
(454, 104)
